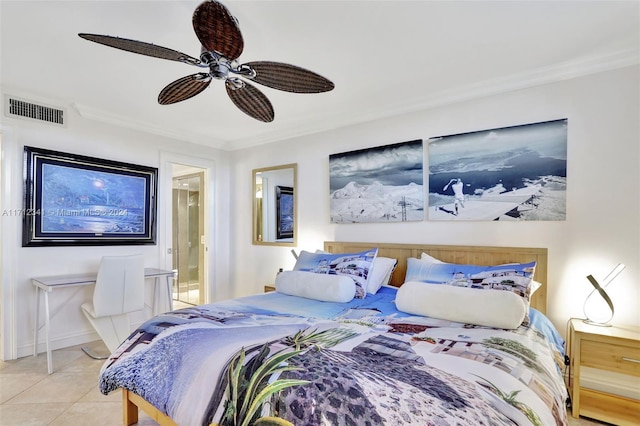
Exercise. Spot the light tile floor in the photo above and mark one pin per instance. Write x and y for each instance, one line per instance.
(70, 396)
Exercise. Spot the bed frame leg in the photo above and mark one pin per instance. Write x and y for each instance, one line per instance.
(129, 409)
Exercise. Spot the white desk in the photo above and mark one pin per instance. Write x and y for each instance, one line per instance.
(47, 284)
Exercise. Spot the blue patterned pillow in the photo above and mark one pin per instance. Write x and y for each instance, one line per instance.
(514, 277)
(353, 265)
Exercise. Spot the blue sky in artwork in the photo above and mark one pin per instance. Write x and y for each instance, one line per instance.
(492, 149)
(73, 187)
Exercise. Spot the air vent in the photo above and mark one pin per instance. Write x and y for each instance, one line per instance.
(25, 109)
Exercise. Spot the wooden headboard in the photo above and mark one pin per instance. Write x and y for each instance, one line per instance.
(470, 255)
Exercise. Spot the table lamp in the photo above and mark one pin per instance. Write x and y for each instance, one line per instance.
(592, 308)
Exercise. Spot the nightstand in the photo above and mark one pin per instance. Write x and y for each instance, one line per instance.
(269, 288)
(614, 349)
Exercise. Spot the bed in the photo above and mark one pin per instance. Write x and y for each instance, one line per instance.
(364, 361)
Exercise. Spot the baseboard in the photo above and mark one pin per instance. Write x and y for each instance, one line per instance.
(59, 342)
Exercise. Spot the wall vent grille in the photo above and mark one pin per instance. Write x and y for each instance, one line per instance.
(20, 108)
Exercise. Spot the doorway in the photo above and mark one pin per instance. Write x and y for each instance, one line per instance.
(188, 234)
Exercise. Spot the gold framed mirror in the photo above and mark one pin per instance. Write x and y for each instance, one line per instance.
(274, 203)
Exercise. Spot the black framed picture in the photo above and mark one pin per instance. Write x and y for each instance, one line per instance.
(78, 200)
(284, 212)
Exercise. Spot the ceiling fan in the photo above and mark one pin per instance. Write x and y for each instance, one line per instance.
(222, 43)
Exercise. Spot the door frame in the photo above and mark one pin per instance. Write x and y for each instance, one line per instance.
(165, 222)
(10, 195)
(199, 174)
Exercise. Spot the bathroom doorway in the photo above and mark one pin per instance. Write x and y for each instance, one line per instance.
(188, 217)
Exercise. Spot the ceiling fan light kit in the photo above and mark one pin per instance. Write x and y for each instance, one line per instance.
(222, 43)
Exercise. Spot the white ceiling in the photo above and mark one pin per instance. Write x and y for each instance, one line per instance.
(385, 57)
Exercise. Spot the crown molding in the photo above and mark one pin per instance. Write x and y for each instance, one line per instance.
(545, 75)
(107, 117)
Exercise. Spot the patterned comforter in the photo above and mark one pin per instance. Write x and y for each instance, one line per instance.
(360, 363)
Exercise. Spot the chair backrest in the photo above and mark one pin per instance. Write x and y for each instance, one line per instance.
(119, 285)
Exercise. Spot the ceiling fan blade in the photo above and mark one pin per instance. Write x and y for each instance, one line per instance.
(217, 29)
(141, 48)
(250, 100)
(289, 78)
(184, 88)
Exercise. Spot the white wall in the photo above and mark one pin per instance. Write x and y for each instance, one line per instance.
(86, 137)
(602, 226)
(603, 200)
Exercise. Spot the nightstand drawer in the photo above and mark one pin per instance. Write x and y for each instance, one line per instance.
(607, 356)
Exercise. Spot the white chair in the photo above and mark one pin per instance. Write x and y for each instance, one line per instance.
(119, 290)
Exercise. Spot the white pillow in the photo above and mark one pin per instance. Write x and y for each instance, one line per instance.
(428, 258)
(534, 286)
(490, 308)
(380, 273)
(323, 287)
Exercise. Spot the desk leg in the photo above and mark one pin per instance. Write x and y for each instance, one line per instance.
(47, 331)
(170, 291)
(159, 305)
(36, 326)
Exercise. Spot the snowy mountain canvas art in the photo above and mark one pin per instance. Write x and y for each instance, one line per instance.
(381, 184)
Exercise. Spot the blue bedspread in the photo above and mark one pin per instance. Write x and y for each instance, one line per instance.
(362, 362)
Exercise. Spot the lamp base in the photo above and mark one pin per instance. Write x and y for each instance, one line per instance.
(599, 324)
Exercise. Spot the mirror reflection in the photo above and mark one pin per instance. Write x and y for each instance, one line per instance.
(274, 205)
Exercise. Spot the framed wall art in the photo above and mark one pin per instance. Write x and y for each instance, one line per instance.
(380, 184)
(509, 173)
(284, 212)
(77, 200)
